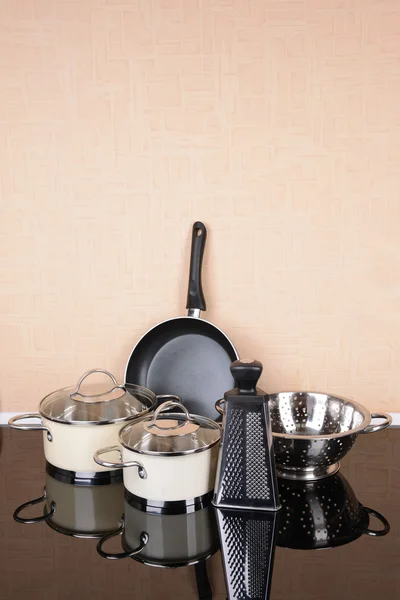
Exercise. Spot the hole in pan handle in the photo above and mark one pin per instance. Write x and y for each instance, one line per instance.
(144, 538)
(44, 517)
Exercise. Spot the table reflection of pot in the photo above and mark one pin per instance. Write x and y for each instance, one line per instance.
(80, 511)
(165, 540)
(323, 514)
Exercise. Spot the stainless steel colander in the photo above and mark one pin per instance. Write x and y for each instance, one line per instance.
(313, 431)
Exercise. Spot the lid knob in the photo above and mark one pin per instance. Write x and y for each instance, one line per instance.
(246, 373)
(107, 395)
(170, 427)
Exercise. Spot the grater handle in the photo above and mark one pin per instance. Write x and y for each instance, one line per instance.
(246, 373)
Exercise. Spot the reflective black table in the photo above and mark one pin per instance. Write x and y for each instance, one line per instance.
(320, 546)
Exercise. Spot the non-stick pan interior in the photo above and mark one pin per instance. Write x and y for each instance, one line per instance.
(187, 357)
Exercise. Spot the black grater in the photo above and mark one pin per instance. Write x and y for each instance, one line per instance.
(247, 547)
(246, 476)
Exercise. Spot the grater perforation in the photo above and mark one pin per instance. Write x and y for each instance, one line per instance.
(258, 485)
(233, 479)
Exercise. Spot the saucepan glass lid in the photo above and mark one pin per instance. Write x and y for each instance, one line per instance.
(97, 404)
(166, 433)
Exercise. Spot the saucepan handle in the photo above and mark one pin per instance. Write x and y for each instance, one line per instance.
(44, 517)
(144, 538)
(387, 420)
(381, 518)
(120, 464)
(14, 423)
(219, 406)
(164, 397)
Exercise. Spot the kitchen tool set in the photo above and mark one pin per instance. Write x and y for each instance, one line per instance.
(146, 460)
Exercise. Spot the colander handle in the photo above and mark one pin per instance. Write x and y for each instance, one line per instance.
(387, 420)
(381, 518)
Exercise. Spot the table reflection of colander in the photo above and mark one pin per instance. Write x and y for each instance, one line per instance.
(323, 514)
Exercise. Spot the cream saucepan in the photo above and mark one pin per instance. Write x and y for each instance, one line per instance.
(169, 460)
(76, 423)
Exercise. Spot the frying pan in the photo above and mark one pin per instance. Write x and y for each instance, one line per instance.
(186, 356)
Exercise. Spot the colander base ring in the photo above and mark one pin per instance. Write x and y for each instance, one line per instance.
(309, 474)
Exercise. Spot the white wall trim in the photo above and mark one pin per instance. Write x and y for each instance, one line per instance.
(4, 416)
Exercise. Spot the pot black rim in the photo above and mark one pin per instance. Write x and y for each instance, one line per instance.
(175, 564)
(76, 534)
(169, 507)
(84, 478)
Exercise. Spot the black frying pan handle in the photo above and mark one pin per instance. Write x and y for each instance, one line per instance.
(195, 297)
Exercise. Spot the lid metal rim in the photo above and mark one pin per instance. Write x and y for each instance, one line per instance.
(193, 418)
(151, 397)
(86, 423)
(180, 453)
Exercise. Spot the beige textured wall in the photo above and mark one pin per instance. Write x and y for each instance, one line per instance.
(276, 122)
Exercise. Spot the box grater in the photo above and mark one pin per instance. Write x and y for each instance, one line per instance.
(246, 476)
(247, 547)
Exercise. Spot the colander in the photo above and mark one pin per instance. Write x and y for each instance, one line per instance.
(323, 514)
(313, 431)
